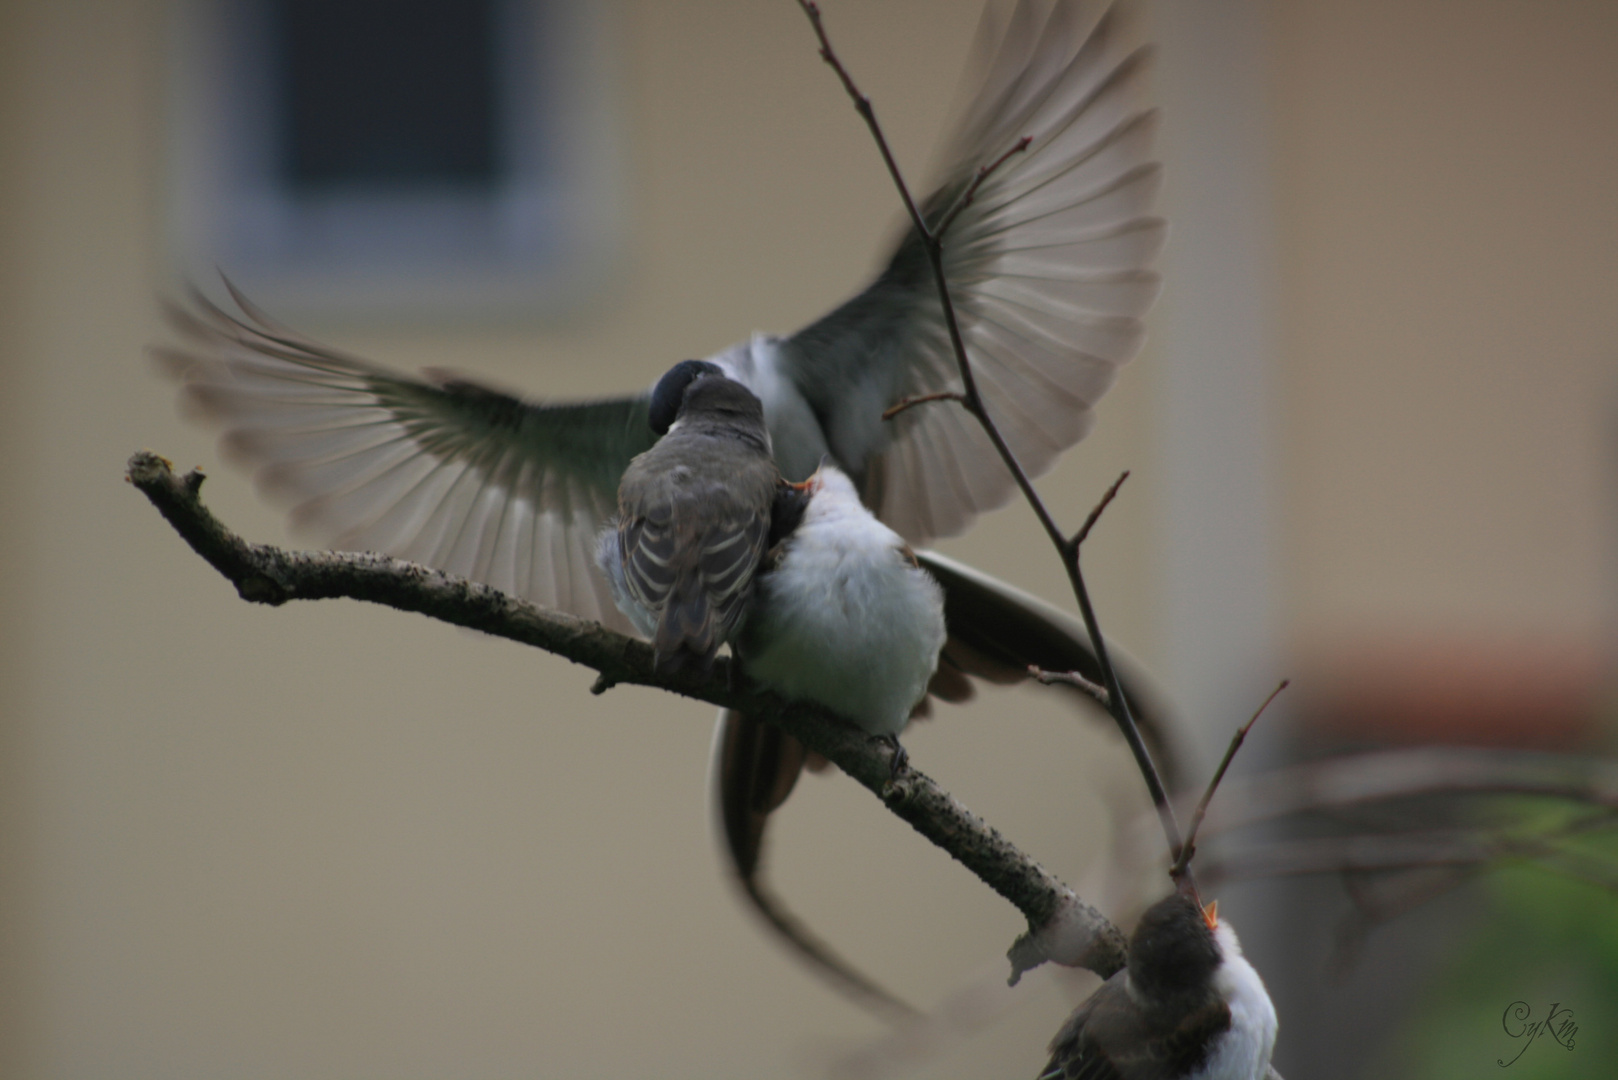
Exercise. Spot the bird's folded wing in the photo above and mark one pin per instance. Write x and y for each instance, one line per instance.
(438, 470)
(692, 555)
(1048, 266)
(1074, 1053)
(1110, 1038)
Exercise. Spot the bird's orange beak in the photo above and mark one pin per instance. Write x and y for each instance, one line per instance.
(1210, 914)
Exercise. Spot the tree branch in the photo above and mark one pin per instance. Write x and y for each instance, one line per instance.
(1189, 848)
(911, 402)
(1063, 927)
(1071, 678)
(972, 400)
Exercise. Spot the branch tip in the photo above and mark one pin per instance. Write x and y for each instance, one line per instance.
(971, 191)
(1182, 858)
(1095, 515)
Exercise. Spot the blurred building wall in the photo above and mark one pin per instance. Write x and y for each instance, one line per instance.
(340, 841)
(1452, 351)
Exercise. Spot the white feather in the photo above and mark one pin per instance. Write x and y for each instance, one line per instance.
(798, 442)
(1243, 1052)
(846, 618)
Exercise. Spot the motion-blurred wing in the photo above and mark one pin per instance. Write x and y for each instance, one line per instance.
(437, 470)
(1048, 270)
(997, 631)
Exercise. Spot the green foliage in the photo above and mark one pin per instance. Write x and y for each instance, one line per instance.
(1544, 938)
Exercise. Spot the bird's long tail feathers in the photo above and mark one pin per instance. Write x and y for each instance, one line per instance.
(756, 766)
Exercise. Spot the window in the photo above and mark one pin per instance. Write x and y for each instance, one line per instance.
(416, 158)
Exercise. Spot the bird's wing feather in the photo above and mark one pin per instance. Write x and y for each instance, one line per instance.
(1074, 1052)
(439, 470)
(1185, 1048)
(695, 526)
(1049, 271)
(1109, 1038)
(996, 632)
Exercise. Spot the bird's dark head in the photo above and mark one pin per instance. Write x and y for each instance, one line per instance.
(1173, 949)
(668, 396)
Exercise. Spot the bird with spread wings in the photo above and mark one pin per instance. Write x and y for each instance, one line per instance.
(1049, 269)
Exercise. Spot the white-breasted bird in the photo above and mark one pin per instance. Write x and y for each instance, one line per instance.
(846, 616)
(1187, 1006)
(1049, 269)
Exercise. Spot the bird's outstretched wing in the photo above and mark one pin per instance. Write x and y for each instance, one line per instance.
(1048, 268)
(439, 470)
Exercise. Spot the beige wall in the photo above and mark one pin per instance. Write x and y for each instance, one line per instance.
(339, 841)
(1450, 300)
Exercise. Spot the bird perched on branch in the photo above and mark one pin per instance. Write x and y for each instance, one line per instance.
(1049, 270)
(1187, 1006)
(695, 515)
(846, 616)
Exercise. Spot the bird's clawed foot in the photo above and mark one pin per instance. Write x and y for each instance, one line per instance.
(901, 757)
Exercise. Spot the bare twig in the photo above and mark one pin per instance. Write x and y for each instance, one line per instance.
(271, 575)
(971, 190)
(972, 401)
(1189, 848)
(862, 105)
(1095, 515)
(910, 403)
(1071, 678)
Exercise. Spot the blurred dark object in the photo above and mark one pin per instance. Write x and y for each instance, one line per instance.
(387, 93)
(1377, 871)
(420, 160)
(1534, 694)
